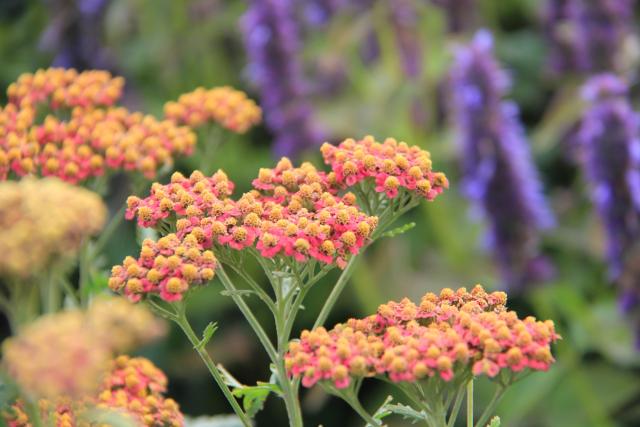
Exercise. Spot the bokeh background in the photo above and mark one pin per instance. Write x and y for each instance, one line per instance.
(379, 68)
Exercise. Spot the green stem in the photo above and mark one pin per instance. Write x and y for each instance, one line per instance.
(335, 292)
(69, 291)
(84, 273)
(456, 408)
(470, 403)
(182, 321)
(107, 233)
(33, 412)
(351, 398)
(490, 407)
(213, 138)
(248, 314)
(285, 314)
(52, 292)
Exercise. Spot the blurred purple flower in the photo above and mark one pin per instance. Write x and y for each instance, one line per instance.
(404, 19)
(319, 12)
(272, 44)
(461, 14)
(74, 34)
(498, 172)
(586, 35)
(609, 140)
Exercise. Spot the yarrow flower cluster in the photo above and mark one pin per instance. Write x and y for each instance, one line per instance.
(122, 326)
(498, 172)
(393, 165)
(297, 219)
(96, 137)
(57, 355)
(137, 386)
(44, 221)
(59, 87)
(228, 107)
(444, 336)
(193, 197)
(169, 268)
(132, 387)
(66, 354)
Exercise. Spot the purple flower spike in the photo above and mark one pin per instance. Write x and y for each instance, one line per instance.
(75, 34)
(461, 14)
(609, 140)
(404, 19)
(272, 43)
(587, 35)
(498, 173)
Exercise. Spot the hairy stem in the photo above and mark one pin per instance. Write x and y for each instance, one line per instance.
(180, 318)
(335, 292)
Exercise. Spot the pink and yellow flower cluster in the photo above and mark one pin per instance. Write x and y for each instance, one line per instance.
(289, 214)
(98, 136)
(132, 387)
(392, 165)
(443, 336)
(67, 353)
(228, 107)
(44, 221)
(168, 268)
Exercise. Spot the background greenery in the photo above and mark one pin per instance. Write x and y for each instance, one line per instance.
(166, 47)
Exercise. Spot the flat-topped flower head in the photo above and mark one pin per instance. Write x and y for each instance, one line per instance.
(443, 336)
(57, 355)
(136, 386)
(133, 390)
(59, 87)
(168, 268)
(228, 107)
(304, 225)
(121, 325)
(285, 180)
(96, 138)
(44, 222)
(194, 197)
(393, 166)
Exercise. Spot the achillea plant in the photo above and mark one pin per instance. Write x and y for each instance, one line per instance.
(57, 355)
(439, 344)
(85, 135)
(498, 172)
(45, 223)
(299, 223)
(53, 211)
(224, 105)
(62, 365)
(132, 392)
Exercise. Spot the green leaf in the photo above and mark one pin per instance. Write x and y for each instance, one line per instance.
(495, 422)
(253, 397)
(208, 332)
(399, 230)
(406, 412)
